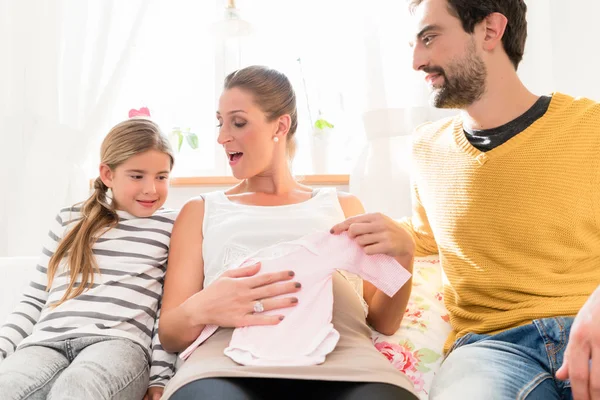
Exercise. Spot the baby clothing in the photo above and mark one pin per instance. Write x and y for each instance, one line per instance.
(306, 334)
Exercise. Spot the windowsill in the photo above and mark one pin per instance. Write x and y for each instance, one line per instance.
(335, 180)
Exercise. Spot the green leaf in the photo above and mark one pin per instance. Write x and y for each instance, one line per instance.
(176, 137)
(192, 140)
(427, 356)
(408, 344)
(422, 368)
(322, 124)
(179, 141)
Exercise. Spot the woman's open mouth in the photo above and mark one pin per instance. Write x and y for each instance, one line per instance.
(234, 157)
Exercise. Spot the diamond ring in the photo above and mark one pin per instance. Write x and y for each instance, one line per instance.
(258, 307)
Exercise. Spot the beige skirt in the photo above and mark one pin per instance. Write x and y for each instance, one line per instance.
(354, 359)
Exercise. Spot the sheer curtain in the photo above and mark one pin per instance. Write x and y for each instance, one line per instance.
(63, 63)
(182, 57)
(319, 45)
(396, 102)
(172, 72)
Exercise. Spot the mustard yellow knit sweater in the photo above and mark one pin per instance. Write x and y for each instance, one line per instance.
(517, 228)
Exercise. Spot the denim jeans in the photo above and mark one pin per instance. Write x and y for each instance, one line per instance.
(519, 363)
(95, 368)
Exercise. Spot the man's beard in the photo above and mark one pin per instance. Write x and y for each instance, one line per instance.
(463, 86)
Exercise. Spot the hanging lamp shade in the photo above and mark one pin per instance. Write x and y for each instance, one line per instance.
(232, 26)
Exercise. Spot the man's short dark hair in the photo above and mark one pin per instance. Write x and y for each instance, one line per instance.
(472, 12)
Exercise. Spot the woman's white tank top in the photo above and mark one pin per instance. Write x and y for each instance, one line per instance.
(232, 231)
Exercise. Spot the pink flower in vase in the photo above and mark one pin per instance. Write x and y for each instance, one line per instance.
(142, 112)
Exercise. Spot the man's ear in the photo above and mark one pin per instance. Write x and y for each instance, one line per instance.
(495, 25)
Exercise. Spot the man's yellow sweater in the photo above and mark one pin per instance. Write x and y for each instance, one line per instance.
(517, 228)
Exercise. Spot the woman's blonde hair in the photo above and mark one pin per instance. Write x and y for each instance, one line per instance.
(127, 139)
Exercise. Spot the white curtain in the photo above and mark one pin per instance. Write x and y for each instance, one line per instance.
(318, 44)
(62, 64)
(396, 102)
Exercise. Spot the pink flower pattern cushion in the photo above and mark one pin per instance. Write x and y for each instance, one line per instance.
(416, 348)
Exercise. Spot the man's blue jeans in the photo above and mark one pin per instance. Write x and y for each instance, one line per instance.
(519, 363)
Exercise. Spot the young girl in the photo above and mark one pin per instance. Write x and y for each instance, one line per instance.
(86, 327)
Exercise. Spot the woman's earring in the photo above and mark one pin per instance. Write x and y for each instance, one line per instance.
(275, 139)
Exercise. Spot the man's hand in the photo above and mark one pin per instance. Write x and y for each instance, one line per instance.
(377, 234)
(154, 393)
(582, 357)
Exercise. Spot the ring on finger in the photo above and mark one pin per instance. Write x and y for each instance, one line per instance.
(258, 307)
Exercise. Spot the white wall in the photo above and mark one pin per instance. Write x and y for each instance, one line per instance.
(563, 51)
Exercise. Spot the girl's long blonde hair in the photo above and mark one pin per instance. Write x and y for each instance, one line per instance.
(127, 139)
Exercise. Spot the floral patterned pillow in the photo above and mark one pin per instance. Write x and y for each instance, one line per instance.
(416, 348)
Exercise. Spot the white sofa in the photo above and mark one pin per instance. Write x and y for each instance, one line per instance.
(416, 349)
(14, 276)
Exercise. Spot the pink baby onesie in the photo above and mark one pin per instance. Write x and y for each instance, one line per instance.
(306, 334)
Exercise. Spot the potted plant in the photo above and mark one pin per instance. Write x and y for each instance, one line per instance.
(321, 133)
(177, 135)
(321, 144)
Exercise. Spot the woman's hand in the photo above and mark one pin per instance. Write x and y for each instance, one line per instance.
(230, 301)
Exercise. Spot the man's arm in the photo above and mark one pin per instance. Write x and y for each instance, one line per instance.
(418, 227)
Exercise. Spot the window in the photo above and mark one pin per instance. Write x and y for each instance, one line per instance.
(181, 58)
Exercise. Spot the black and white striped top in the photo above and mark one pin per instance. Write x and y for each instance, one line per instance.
(123, 302)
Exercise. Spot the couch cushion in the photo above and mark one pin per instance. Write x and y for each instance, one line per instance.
(416, 348)
(15, 273)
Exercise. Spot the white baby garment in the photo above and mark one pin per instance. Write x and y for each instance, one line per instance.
(306, 335)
